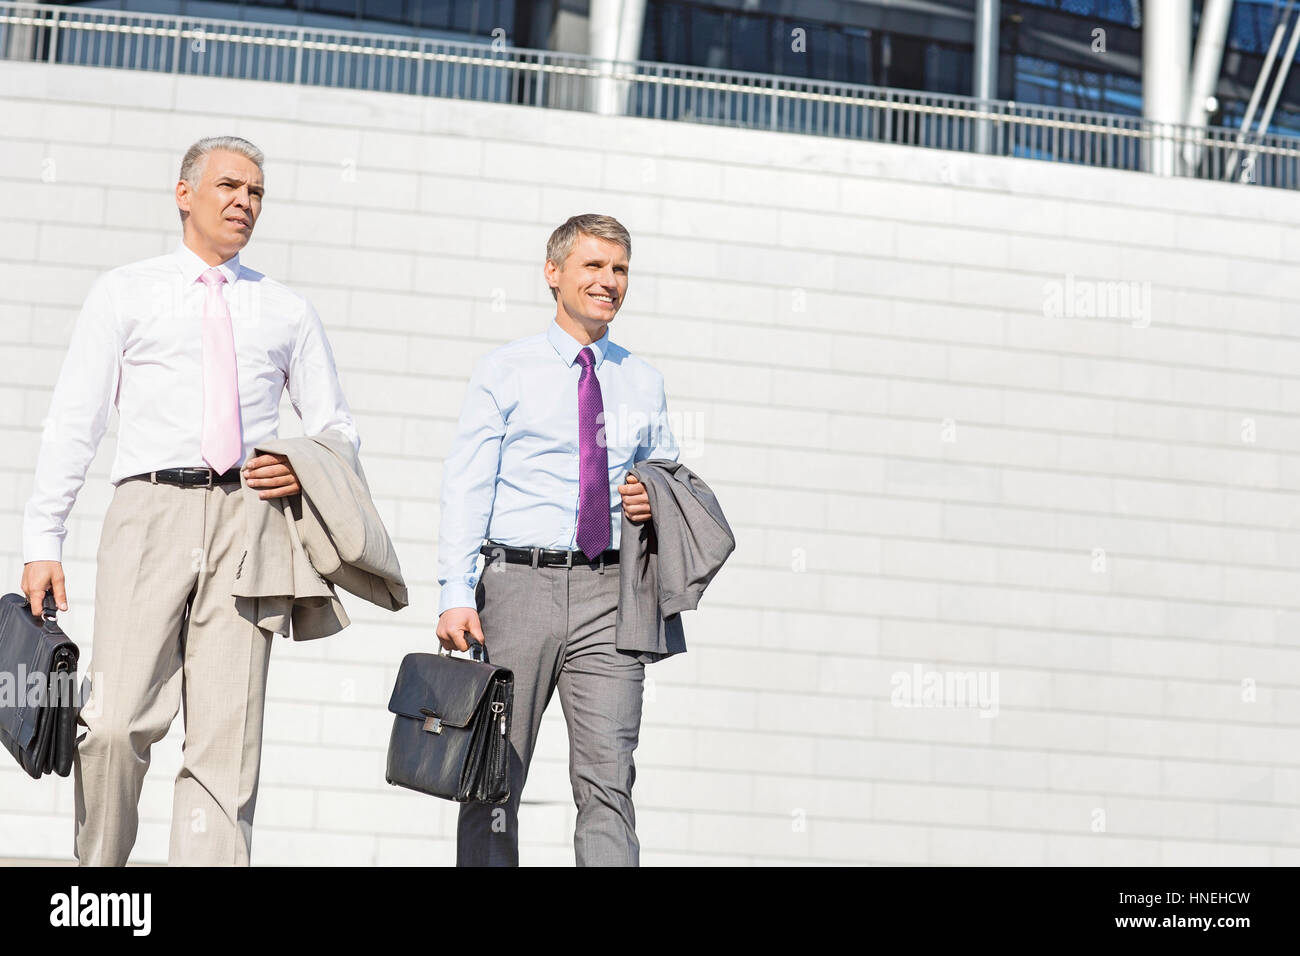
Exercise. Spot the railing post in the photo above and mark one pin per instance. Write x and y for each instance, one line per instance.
(297, 58)
(539, 91)
(54, 38)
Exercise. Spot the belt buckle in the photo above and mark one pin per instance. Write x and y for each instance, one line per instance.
(568, 560)
(210, 478)
(536, 552)
(153, 477)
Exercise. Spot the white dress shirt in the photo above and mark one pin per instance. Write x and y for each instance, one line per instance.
(137, 344)
(512, 473)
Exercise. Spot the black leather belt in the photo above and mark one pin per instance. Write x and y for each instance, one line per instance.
(191, 476)
(547, 557)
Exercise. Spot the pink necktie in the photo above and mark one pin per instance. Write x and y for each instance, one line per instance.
(222, 443)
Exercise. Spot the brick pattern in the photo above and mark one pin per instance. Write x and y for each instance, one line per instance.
(1010, 419)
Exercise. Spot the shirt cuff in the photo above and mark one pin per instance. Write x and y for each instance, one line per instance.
(43, 548)
(458, 594)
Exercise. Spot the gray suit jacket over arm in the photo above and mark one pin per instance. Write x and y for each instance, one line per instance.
(666, 563)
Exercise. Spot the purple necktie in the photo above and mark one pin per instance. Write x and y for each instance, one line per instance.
(593, 463)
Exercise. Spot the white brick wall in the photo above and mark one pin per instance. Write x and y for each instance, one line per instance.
(922, 466)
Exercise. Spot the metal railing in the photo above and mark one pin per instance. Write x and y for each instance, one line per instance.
(494, 72)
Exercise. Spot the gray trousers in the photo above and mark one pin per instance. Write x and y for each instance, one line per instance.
(554, 628)
(167, 635)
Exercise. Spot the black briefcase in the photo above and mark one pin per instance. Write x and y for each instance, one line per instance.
(451, 727)
(38, 712)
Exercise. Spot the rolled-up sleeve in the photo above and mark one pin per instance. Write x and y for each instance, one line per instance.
(469, 478)
(84, 396)
(314, 388)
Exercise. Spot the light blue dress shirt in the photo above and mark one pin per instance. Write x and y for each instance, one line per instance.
(512, 473)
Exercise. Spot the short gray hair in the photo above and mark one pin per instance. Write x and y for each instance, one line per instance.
(562, 240)
(196, 156)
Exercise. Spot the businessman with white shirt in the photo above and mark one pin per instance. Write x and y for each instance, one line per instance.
(549, 427)
(194, 349)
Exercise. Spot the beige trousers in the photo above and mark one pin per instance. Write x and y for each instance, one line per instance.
(167, 634)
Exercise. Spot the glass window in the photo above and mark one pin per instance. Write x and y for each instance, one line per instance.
(818, 58)
(679, 25)
(1037, 81)
(1285, 121)
(1251, 26)
(1121, 11)
(708, 38)
(339, 7)
(650, 32)
(432, 13)
(1116, 11)
(1123, 94)
(1083, 8)
(907, 62)
(787, 61)
(751, 44)
(837, 55)
(463, 14)
(1080, 89)
(1230, 113)
(948, 69)
(503, 15)
(392, 11)
(858, 59)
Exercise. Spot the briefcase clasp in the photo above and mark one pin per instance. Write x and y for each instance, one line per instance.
(432, 722)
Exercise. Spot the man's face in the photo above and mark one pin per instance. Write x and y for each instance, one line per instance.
(224, 204)
(592, 281)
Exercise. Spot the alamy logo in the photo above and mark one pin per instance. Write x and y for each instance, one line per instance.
(24, 688)
(923, 688)
(1078, 297)
(102, 909)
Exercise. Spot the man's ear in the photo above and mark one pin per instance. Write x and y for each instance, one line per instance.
(550, 273)
(183, 194)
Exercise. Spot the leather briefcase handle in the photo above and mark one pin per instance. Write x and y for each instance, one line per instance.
(49, 610)
(478, 650)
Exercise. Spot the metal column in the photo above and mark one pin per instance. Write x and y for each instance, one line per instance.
(987, 15)
(615, 27)
(1166, 47)
(1206, 64)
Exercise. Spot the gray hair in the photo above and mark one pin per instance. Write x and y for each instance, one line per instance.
(562, 240)
(196, 157)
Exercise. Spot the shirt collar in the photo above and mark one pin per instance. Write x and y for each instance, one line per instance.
(192, 266)
(567, 347)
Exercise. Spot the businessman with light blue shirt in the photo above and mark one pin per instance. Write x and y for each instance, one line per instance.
(536, 482)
